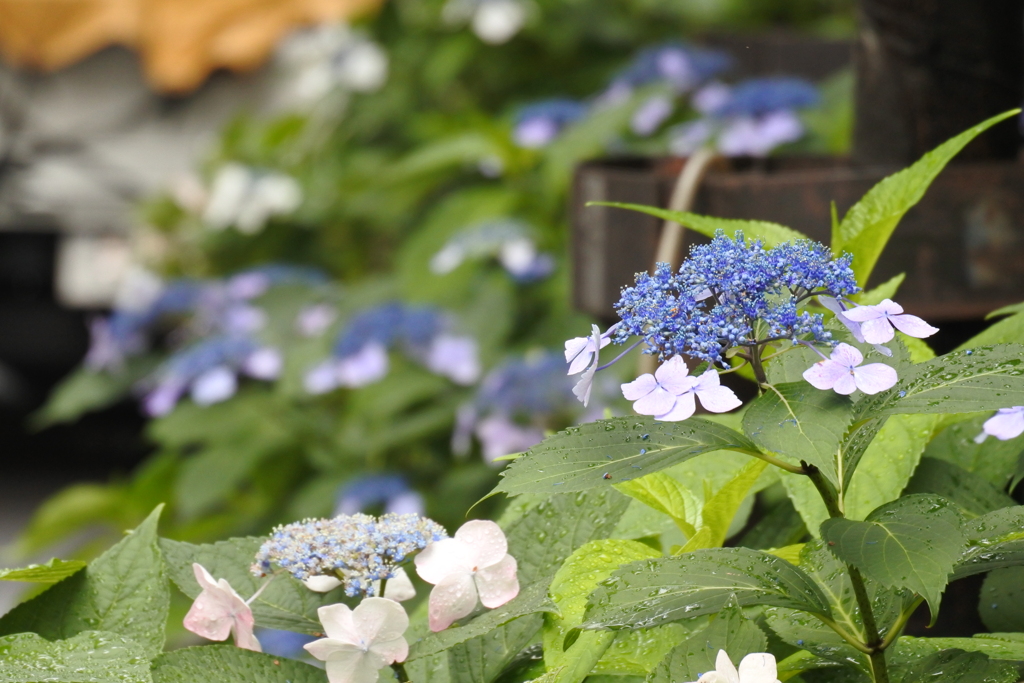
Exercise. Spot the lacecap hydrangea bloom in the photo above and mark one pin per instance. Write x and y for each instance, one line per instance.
(358, 549)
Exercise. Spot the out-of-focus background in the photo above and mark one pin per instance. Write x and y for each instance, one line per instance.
(265, 259)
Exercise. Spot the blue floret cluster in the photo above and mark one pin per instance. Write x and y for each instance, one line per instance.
(733, 293)
(357, 549)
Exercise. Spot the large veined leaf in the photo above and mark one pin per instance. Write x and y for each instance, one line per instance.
(770, 234)
(53, 571)
(484, 658)
(1005, 331)
(992, 459)
(285, 604)
(958, 666)
(1001, 605)
(89, 657)
(608, 452)
(911, 543)
(868, 225)
(729, 630)
(123, 591)
(572, 584)
(971, 492)
(986, 378)
(230, 664)
(720, 510)
(994, 540)
(653, 592)
(802, 422)
(666, 495)
(1005, 646)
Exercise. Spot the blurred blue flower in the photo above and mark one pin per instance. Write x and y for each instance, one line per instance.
(538, 124)
(675, 64)
(388, 490)
(280, 643)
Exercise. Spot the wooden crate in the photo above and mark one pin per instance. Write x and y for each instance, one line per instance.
(962, 246)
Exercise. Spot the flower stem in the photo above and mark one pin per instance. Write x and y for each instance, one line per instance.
(757, 366)
(383, 585)
(400, 673)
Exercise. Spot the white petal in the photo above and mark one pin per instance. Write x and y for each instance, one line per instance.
(671, 373)
(824, 374)
(846, 384)
(329, 649)
(846, 355)
(322, 584)
(875, 377)
(444, 558)
(889, 307)
(213, 386)
(640, 387)
(487, 541)
(498, 583)
(913, 326)
(362, 667)
(684, 408)
(399, 587)
(718, 399)
(862, 314)
(1005, 425)
(724, 666)
(391, 651)
(338, 624)
(658, 402)
(758, 667)
(450, 600)
(877, 331)
(380, 619)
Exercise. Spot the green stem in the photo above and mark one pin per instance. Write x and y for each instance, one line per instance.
(757, 366)
(845, 635)
(825, 489)
(400, 673)
(772, 460)
(894, 632)
(383, 585)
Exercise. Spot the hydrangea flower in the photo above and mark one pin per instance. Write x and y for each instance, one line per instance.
(218, 611)
(579, 351)
(389, 490)
(326, 57)
(314, 320)
(361, 641)
(247, 198)
(757, 667)
(877, 322)
(399, 587)
(1006, 424)
(586, 382)
(508, 240)
(359, 549)
(473, 565)
(675, 64)
(537, 125)
(844, 373)
(500, 436)
(669, 394)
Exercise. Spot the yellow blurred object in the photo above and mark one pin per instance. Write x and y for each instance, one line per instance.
(180, 41)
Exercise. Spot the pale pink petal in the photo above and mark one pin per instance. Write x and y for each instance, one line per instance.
(450, 600)
(640, 387)
(913, 326)
(672, 375)
(203, 577)
(498, 583)
(391, 651)
(444, 558)
(684, 408)
(877, 331)
(209, 617)
(658, 402)
(1006, 424)
(875, 377)
(243, 626)
(862, 314)
(846, 355)
(758, 667)
(724, 665)
(824, 374)
(355, 667)
(487, 541)
(846, 384)
(889, 307)
(379, 619)
(338, 624)
(718, 399)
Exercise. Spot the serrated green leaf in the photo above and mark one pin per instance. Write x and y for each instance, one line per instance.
(53, 571)
(729, 630)
(802, 422)
(994, 541)
(123, 591)
(986, 378)
(911, 543)
(1001, 646)
(886, 290)
(654, 592)
(531, 600)
(230, 664)
(867, 226)
(992, 459)
(608, 452)
(770, 234)
(285, 604)
(88, 657)
(666, 495)
(572, 584)
(1001, 605)
(720, 509)
(482, 659)
(972, 493)
(958, 666)
(1006, 331)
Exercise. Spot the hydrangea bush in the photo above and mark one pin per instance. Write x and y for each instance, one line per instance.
(882, 473)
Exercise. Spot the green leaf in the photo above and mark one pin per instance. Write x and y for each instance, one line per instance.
(89, 657)
(770, 234)
(994, 540)
(1006, 331)
(123, 591)
(910, 543)
(84, 391)
(53, 571)
(802, 422)
(608, 452)
(992, 459)
(1001, 605)
(729, 630)
(285, 604)
(652, 592)
(572, 584)
(531, 600)
(666, 495)
(972, 493)
(959, 382)
(867, 226)
(957, 666)
(886, 290)
(1002, 646)
(720, 509)
(482, 659)
(230, 664)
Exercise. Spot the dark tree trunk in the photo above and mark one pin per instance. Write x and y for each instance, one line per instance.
(929, 69)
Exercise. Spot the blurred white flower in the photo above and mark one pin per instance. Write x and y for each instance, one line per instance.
(498, 21)
(332, 56)
(246, 199)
